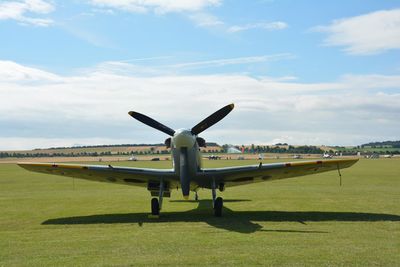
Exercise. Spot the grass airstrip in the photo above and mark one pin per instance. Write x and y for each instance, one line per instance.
(307, 221)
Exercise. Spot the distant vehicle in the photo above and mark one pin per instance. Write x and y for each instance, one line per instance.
(214, 157)
(297, 157)
(132, 158)
(373, 156)
(187, 172)
(327, 156)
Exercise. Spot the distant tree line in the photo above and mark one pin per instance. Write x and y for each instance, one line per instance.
(56, 154)
(97, 146)
(354, 152)
(79, 154)
(120, 145)
(255, 149)
(394, 144)
(277, 149)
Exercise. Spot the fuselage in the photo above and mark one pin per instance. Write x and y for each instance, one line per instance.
(186, 158)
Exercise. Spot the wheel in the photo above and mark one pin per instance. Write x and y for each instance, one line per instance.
(155, 207)
(218, 207)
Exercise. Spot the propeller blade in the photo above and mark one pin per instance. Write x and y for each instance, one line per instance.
(151, 122)
(212, 119)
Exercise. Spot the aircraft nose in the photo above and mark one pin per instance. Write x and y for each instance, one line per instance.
(183, 138)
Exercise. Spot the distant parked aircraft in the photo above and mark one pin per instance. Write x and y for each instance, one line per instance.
(187, 172)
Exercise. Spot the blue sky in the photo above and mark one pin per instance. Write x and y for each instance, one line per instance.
(302, 72)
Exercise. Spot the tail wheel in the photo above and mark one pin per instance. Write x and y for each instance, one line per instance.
(155, 207)
(218, 206)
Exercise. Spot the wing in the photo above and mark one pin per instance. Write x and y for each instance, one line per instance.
(233, 176)
(102, 173)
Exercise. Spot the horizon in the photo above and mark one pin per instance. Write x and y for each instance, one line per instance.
(162, 144)
(301, 72)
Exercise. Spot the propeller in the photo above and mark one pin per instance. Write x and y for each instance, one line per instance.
(152, 123)
(183, 153)
(200, 127)
(212, 119)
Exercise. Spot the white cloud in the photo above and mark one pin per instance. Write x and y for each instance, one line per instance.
(157, 6)
(205, 20)
(126, 68)
(13, 72)
(193, 9)
(372, 81)
(269, 26)
(232, 61)
(19, 10)
(94, 105)
(367, 34)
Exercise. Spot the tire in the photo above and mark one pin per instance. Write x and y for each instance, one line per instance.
(218, 207)
(155, 207)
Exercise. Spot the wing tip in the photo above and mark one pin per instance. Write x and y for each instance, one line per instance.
(352, 159)
(28, 165)
(22, 164)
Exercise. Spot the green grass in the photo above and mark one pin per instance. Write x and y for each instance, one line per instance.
(50, 220)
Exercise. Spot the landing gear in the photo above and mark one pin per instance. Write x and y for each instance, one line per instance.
(217, 201)
(196, 196)
(155, 207)
(218, 207)
(156, 204)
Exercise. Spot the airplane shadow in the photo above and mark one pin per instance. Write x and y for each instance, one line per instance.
(237, 221)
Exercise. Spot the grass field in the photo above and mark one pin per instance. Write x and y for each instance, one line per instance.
(50, 221)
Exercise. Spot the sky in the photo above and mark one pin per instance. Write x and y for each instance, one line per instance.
(300, 72)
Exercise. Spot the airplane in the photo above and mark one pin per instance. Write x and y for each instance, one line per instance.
(327, 156)
(187, 173)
